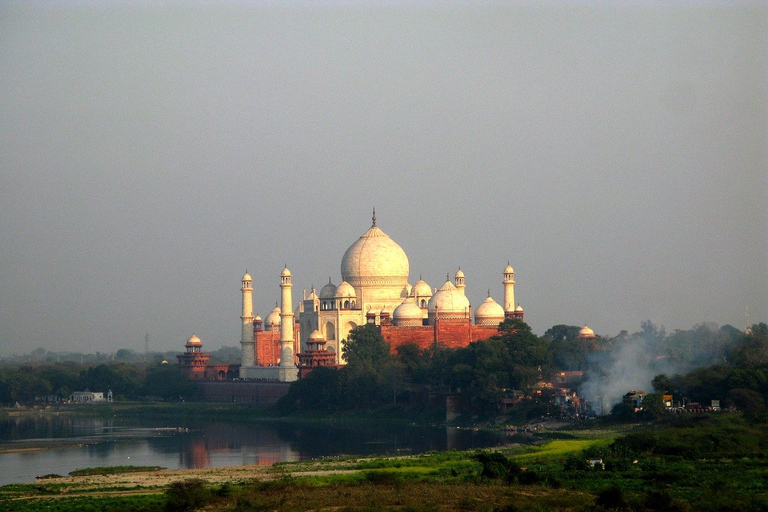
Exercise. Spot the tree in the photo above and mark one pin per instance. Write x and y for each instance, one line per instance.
(529, 354)
(562, 332)
(168, 382)
(662, 384)
(746, 400)
(366, 347)
(369, 372)
(125, 354)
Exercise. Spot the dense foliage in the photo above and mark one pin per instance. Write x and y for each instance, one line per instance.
(485, 371)
(373, 377)
(31, 382)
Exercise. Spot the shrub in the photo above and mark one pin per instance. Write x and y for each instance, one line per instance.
(497, 466)
(612, 499)
(187, 495)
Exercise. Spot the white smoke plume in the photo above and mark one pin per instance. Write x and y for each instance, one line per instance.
(630, 365)
(631, 362)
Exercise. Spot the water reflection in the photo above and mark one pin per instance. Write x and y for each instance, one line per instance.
(76, 443)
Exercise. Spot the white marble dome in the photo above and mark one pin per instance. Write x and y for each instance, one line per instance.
(345, 291)
(407, 313)
(421, 289)
(328, 291)
(489, 312)
(448, 300)
(273, 318)
(375, 259)
(247, 276)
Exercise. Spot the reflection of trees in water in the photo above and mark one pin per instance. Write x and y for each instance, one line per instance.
(312, 441)
(244, 442)
(52, 427)
(34, 427)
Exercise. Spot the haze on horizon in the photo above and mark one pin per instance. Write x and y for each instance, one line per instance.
(614, 153)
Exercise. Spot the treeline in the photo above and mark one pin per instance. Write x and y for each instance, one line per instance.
(30, 382)
(516, 359)
(480, 373)
(741, 380)
(124, 355)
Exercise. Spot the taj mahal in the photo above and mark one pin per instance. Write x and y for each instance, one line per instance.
(374, 289)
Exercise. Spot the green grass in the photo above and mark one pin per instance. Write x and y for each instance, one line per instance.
(114, 470)
(558, 449)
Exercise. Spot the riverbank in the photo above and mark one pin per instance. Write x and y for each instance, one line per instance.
(707, 464)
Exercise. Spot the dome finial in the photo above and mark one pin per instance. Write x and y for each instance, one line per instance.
(489, 292)
(374, 217)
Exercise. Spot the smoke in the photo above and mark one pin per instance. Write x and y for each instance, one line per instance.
(631, 365)
(630, 362)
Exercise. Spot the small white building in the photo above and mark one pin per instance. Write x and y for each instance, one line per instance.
(87, 396)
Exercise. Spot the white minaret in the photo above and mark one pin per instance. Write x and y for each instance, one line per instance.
(286, 321)
(509, 291)
(247, 343)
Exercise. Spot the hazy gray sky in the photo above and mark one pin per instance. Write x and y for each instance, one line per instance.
(615, 153)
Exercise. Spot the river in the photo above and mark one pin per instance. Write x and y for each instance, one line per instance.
(64, 443)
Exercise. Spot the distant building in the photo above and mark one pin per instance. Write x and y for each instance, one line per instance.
(195, 364)
(87, 396)
(585, 333)
(634, 398)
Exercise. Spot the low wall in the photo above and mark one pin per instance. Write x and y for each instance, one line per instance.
(244, 392)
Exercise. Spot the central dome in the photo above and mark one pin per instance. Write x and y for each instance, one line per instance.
(375, 259)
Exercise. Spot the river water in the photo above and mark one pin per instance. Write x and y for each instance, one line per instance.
(72, 443)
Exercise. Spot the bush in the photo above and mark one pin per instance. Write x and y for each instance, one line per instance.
(576, 463)
(611, 499)
(497, 466)
(187, 495)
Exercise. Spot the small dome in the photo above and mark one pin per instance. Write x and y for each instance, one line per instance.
(345, 291)
(316, 336)
(193, 341)
(273, 318)
(328, 291)
(384, 311)
(257, 318)
(459, 274)
(509, 269)
(519, 308)
(247, 276)
(408, 310)
(421, 289)
(586, 332)
(285, 272)
(489, 311)
(449, 300)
